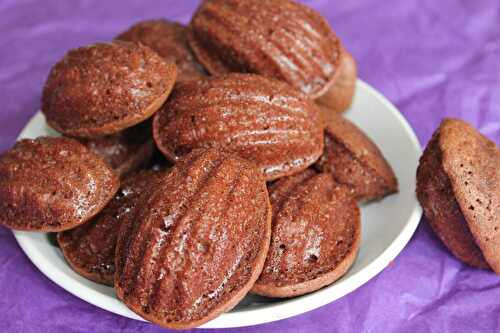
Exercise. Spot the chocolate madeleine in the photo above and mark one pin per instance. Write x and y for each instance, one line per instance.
(102, 89)
(52, 184)
(261, 119)
(355, 161)
(125, 151)
(316, 232)
(199, 242)
(168, 39)
(280, 38)
(339, 97)
(90, 248)
(458, 186)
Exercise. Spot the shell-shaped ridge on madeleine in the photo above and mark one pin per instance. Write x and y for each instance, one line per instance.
(198, 244)
(280, 38)
(263, 120)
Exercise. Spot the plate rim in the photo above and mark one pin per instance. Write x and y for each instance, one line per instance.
(283, 310)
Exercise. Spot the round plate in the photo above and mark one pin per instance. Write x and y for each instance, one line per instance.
(387, 225)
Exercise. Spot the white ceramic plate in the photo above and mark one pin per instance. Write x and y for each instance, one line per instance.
(386, 226)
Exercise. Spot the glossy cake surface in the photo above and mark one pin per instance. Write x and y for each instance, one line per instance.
(264, 120)
(198, 244)
(280, 38)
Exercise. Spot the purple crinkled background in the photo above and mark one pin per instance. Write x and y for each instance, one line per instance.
(432, 59)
